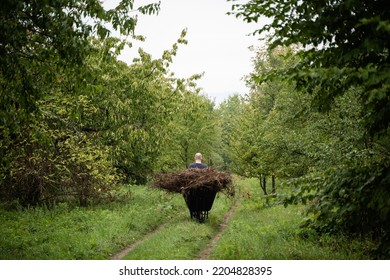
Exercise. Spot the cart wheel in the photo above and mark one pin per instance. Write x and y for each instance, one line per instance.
(201, 217)
(193, 214)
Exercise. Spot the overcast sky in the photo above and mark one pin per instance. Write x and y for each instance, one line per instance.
(217, 43)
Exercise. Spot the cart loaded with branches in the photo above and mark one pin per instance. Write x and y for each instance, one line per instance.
(198, 187)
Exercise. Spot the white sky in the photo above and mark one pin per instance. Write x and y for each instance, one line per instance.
(217, 43)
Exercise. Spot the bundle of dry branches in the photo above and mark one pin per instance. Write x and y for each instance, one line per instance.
(183, 181)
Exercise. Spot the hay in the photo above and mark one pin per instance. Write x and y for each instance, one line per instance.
(183, 181)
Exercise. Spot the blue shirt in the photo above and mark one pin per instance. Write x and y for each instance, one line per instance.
(197, 165)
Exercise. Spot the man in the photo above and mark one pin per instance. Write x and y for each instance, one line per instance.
(194, 197)
(198, 162)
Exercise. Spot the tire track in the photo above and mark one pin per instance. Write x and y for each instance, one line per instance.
(128, 248)
(205, 253)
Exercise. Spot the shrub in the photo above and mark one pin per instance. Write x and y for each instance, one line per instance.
(49, 166)
(352, 199)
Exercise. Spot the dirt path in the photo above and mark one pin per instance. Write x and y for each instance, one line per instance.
(205, 253)
(127, 249)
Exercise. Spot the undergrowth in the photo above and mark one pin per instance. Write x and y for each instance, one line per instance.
(84, 233)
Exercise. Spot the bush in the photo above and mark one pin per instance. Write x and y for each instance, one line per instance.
(49, 166)
(353, 200)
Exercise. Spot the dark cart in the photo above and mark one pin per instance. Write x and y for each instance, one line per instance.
(199, 202)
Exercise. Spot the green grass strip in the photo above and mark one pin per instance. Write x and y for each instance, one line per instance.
(258, 231)
(84, 233)
(182, 238)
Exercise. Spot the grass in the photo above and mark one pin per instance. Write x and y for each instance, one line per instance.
(182, 238)
(84, 233)
(260, 231)
(256, 231)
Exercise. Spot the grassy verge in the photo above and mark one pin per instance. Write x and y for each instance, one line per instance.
(84, 233)
(259, 231)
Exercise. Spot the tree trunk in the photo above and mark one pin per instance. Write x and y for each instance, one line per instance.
(263, 184)
(184, 157)
(273, 184)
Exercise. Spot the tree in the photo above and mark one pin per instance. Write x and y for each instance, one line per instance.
(265, 143)
(346, 45)
(194, 128)
(344, 53)
(39, 38)
(45, 50)
(229, 112)
(135, 106)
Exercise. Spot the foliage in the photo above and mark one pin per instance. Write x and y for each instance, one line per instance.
(278, 133)
(40, 37)
(346, 45)
(134, 107)
(193, 128)
(229, 111)
(343, 61)
(75, 120)
(57, 120)
(346, 198)
(67, 169)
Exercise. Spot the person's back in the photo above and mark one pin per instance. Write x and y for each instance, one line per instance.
(198, 162)
(197, 165)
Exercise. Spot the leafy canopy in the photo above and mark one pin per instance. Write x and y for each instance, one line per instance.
(345, 45)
